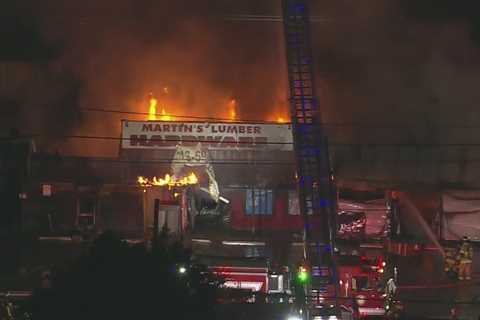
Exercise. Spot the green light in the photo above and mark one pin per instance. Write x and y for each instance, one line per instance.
(302, 275)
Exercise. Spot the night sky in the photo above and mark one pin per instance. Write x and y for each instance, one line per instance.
(377, 61)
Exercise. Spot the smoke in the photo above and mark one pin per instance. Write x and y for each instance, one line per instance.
(394, 61)
(123, 50)
(412, 63)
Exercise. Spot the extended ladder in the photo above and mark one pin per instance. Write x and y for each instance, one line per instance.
(314, 175)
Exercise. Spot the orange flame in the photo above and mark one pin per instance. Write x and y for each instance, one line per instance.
(165, 116)
(152, 110)
(281, 120)
(232, 109)
(168, 181)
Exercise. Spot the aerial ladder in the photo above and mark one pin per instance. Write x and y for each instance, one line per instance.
(315, 183)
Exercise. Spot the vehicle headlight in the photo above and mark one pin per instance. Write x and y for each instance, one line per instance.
(294, 317)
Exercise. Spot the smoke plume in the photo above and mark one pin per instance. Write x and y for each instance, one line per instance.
(396, 61)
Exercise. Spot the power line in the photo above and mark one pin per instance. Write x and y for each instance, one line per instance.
(170, 161)
(163, 140)
(180, 116)
(325, 124)
(206, 141)
(231, 161)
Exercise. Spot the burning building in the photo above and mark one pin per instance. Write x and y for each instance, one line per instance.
(244, 171)
(229, 180)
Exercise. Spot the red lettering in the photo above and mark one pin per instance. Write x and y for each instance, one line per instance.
(210, 141)
(171, 140)
(199, 128)
(156, 141)
(249, 129)
(244, 142)
(241, 129)
(166, 128)
(229, 141)
(189, 141)
(256, 130)
(174, 127)
(140, 140)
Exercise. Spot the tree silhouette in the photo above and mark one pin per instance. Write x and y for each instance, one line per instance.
(117, 281)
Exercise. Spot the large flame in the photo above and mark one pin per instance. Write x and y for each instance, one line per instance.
(165, 116)
(279, 117)
(168, 181)
(232, 109)
(152, 110)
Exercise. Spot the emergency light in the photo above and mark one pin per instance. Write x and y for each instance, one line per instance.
(303, 275)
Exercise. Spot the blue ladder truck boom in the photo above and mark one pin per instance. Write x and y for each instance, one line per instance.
(315, 184)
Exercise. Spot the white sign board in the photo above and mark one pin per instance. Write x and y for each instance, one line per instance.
(169, 134)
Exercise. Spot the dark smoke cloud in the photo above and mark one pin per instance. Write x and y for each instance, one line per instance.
(401, 61)
(116, 52)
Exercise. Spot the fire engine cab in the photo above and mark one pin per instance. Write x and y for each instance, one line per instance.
(359, 284)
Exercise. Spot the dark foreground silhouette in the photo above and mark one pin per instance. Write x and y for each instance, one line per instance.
(117, 281)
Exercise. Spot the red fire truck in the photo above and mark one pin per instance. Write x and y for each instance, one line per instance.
(359, 283)
(245, 283)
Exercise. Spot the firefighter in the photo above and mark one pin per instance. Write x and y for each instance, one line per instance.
(391, 288)
(393, 307)
(450, 261)
(465, 257)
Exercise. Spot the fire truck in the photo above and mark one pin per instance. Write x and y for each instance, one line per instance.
(359, 282)
(246, 280)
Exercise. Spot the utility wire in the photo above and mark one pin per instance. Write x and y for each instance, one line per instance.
(180, 116)
(225, 161)
(140, 162)
(345, 144)
(257, 121)
(163, 140)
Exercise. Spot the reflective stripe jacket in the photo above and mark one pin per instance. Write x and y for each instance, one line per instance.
(466, 253)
